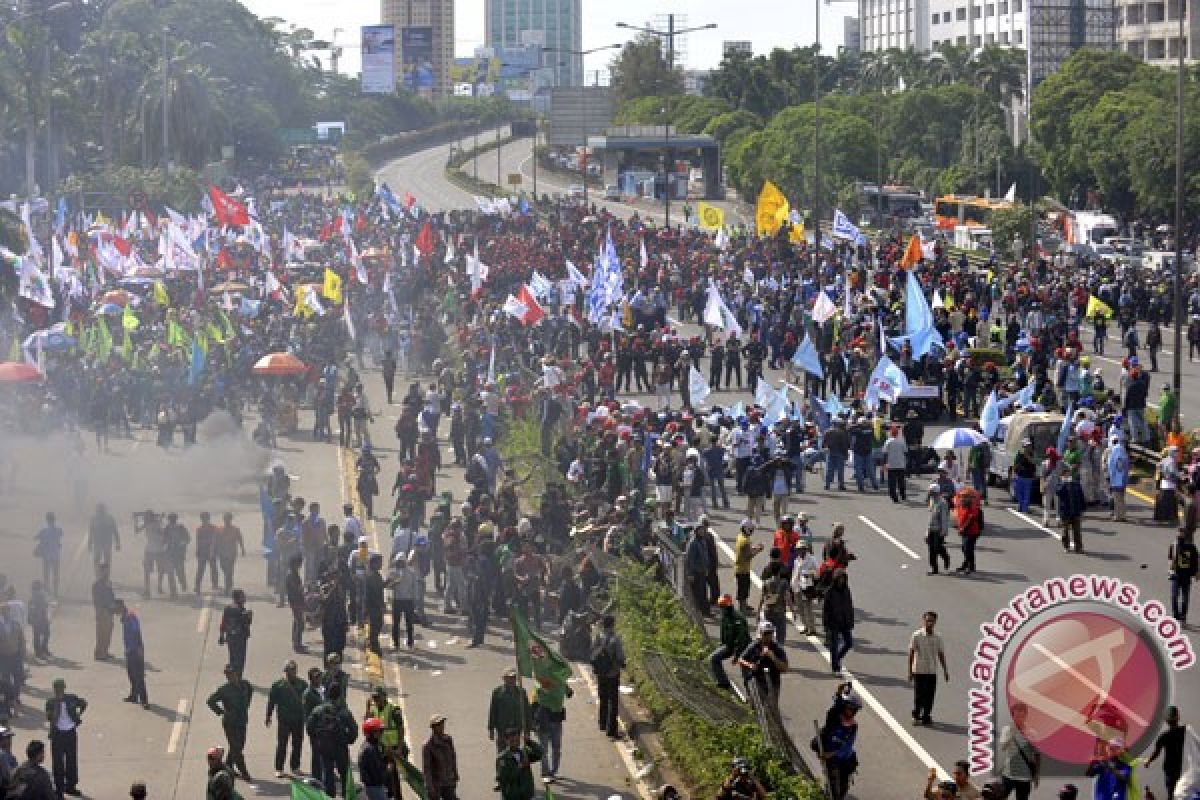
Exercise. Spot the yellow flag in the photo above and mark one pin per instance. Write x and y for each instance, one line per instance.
(711, 217)
(796, 234)
(772, 210)
(302, 308)
(332, 288)
(160, 295)
(1097, 307)
(129, 320)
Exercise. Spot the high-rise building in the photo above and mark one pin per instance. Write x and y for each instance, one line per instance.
(1149, 30)
(731, 46)
(424, 44)
(555, 24)
(851, 35)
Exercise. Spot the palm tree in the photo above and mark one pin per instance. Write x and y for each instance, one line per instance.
(876, 73)
(909, 66)
(950, 63)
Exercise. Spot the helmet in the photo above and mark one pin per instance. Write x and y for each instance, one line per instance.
(766, 627)
(372, 725)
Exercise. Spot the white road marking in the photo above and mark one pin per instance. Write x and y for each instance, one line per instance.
(1034, 523)
(873, 702)
(624, 748)
(908, 551)
(202, 619)
(177, 726)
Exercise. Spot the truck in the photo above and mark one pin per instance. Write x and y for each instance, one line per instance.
(1090, 227)
(1040, 427)
(972, 237)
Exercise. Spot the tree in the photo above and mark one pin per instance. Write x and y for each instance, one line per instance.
(1009, 224)
(641, 71)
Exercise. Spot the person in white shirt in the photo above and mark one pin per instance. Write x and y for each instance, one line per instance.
(925, 653)
(952, 467)
(804, 578)
(895, 454)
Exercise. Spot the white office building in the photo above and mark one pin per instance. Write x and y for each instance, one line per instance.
(927, 24)
(1149, 30)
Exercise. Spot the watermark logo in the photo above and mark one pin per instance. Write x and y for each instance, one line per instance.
(1069, 664)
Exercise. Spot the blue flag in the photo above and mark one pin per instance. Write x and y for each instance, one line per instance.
(738, 410)
(60, 214)
(989, 418)
(843, 228)
(197, 366)
(918, 320)
(807, 359)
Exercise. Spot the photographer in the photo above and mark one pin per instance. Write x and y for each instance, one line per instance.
(764, 660)
(742, 783)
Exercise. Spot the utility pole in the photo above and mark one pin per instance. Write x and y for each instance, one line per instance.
(817, 135)
(166, 67)
(1177, 311)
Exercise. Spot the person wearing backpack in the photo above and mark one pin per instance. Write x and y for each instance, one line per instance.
(608, 659)
(333, 730)
(735, 638)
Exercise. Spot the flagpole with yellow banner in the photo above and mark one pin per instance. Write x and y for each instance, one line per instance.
(771, 211)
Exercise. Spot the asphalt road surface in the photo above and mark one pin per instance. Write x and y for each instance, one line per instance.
(891, 589)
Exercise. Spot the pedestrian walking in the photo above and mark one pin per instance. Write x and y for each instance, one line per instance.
(235, 629)
(937, 530)
(439, 762)
(231, 702)
(287, 697)
(333, 730)
(104, 605)
(1117, 465)
(314, 537)
(607, 661)
(735, 638)
(103, 536)
(403, 581)
(804, 587)
(1071, 506)
(39, 620)
(895, 454)
(776, 599)
(314, 695)
(1018, 761)
(1169, 745)
(206, 551)
(763, 662)
(1184, 560)
(925, 653)
(373, 601)
(549, 715)
(229, 545)
(697, 566)
(178, 539)
(514, 765)
(509, 708)
(837, 738)
(837, 618)
(293, 588)
(49, 550)
(373, 761)
(135, 655)
(154, 553)
(64, 714)
(969, 517)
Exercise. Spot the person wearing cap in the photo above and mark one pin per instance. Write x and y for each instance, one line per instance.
(236, 620)
(1117, 466)
(744, 551)
(8, 762)
(514, 765)
(735, 638)
(373, 761)
(231, 702)
(220, 777)
(287, 695)
(402, 580)
(763, 661)
(1024, 474)
(1113, 773)
(380, 707)
(64, 714)
(439, 762)
(836, 740)
(509, 708)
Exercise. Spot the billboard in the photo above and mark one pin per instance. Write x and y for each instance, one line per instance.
(416, 52)
(379, 59)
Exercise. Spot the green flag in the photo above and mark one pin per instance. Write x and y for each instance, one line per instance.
(536, 660)
(351, 792)
(302, 791)
(414, 779)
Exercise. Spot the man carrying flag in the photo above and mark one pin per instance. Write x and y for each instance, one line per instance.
(331, 288)
(550, 672)
(771, 211)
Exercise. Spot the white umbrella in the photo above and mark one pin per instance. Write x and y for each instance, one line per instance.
(958, 437)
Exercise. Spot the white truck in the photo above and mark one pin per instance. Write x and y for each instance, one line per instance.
(1091, 227)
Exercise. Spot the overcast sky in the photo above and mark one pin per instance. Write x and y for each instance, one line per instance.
(766, 24)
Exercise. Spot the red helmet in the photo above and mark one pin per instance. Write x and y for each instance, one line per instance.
(372, 725)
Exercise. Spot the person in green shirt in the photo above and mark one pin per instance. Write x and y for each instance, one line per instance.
(735, 638)
(231, 702)
(287, 695)
(514, 766)
(1167, 404)
(509, 709)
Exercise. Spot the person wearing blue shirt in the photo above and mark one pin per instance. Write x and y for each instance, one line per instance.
(837, 740)
(135, 654)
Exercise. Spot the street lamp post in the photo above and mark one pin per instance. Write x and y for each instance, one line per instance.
(584, 106)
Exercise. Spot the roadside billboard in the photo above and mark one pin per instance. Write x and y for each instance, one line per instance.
(379, 59)
(416, 52)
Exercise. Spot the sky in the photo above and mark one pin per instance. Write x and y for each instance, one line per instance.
(772, 25)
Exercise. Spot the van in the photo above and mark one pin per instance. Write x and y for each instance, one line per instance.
(1040, 427)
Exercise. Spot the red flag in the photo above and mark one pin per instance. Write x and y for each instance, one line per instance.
(535, 313)
(227, 210)
(224, 260)
(326, 232)
(409, 200)
(123, 246)
(424, 241)
(360, 223)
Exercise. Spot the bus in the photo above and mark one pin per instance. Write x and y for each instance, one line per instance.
(952, 210)
(894, 201)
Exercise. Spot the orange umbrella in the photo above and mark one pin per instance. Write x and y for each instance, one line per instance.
(19, 372)
(279, 364)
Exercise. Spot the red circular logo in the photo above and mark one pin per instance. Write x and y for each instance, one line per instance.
(1084, 677)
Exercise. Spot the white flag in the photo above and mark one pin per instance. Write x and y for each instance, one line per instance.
(645, 257)
(349, 320)
(313, 301)
(698, 387)
(574, 276)
(712, 309)
(515, 308)
(823, 308)
(34, 285)
(748, 276)
(1011, 195)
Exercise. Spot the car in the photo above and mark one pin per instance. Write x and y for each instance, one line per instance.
(612, 192)
(575, 190)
